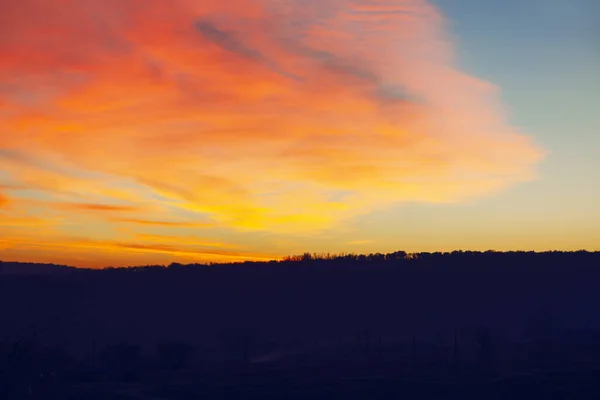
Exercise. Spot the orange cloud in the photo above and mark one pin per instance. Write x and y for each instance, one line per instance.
(188, 240)
(264, 115)
(175, 224)
(3, 200)
(11, 221)
(94, 207)
(82, 251)
(178, 250)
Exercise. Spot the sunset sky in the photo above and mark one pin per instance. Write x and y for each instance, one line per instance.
(152, 131)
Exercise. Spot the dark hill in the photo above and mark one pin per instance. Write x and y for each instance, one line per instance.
(378, 319)
(20, 268)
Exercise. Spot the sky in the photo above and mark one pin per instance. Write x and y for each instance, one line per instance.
(145, 132)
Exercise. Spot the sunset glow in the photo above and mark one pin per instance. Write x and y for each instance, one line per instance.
(136, 132)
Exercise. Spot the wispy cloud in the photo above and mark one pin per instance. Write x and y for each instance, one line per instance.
(247, 114)
(229, 41)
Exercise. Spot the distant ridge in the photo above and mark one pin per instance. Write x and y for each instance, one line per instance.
(21, 268)
(324, 260)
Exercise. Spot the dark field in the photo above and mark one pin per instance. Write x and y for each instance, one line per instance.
(458, 325)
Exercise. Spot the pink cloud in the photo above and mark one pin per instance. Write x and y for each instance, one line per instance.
(255, 112)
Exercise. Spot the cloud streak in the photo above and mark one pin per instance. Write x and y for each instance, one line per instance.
(120, 252)
(229, 42)
(173, 224)
(95, 207)
(270, 115)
